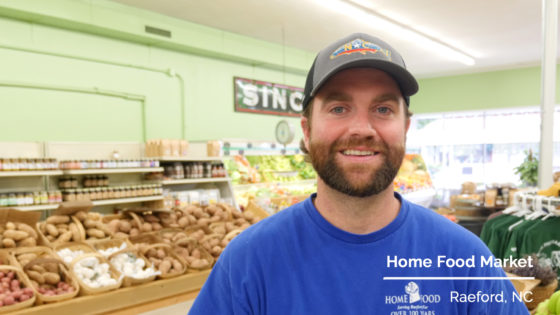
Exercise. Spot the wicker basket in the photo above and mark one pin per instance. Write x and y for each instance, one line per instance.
(73, 246)
(130, 281)
(45, 241)
(110, 243)
(27, 284)
(87, 290)
(168, 253)
(65, 276)
(541, 293)
(39, 251)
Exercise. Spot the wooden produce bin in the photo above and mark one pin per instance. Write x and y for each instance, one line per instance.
(131, 300)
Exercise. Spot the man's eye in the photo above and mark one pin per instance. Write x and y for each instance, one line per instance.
(383, 110)
(338, 110)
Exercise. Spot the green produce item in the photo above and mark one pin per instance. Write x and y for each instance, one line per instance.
(542, 309)
(553, 300)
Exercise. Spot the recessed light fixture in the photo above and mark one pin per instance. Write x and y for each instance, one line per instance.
(359, 12)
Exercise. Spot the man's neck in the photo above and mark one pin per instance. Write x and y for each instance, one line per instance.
(356, 214)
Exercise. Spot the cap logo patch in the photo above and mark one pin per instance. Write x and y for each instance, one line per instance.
(360, 46)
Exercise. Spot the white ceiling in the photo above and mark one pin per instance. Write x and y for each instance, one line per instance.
(500, 34)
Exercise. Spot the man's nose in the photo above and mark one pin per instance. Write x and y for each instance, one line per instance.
(362, 125)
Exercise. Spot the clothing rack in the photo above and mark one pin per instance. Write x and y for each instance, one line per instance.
(529, 201)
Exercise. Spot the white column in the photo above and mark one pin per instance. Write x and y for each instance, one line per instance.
(548, 91)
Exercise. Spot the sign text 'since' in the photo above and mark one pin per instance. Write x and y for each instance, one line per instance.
(267, 98)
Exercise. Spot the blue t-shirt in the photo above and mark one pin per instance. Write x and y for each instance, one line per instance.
(296, 262)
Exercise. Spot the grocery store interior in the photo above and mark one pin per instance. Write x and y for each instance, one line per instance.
(162, 129)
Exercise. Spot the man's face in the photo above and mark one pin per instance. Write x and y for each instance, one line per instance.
(356, 137)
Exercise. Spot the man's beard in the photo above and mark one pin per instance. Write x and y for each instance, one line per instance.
(323, 158)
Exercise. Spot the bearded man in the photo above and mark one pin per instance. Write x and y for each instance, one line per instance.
(356, 246)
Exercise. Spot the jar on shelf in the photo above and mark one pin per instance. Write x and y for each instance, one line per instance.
(29, 198)
(3, 200)
(44, 198)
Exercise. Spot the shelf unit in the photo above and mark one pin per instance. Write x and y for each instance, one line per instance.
(35, 207)
(223, 184)
(195, 181)
(125, 200)
(113, 171)
(30, 173)
(189, 159)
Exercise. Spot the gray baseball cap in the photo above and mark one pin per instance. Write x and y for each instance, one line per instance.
(353, 51)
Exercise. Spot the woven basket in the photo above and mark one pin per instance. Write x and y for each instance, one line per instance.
(39, 251)
(73, 246)
(26, 283)
(168, 253)
(541, 293)
(45, 241)
(130, 281)
(65, 276)
(110, 243)
(85, 289)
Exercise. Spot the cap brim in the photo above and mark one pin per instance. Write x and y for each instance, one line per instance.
(407, 83)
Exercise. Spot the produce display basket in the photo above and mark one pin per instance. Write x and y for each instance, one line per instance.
(45, 241)
(73, 246)
(22, 277)
(104, 244)
(87, 290)
(168, 252)
(130, 281)
(65, 276)
(541, 293)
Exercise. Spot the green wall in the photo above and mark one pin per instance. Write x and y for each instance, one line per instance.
(85, 70)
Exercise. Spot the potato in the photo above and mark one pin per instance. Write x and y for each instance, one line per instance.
(51, 278)
(76, 235)
(27, 256)
(15, 235)
(124, 226)
(146, 227)
(38, 268)
(28, 242)
(156, 226)
(120, 235)
(183, 222)
(177, 266)
(8, 243)
(164, 266)
(196, 253)
(203, 222)
(151, 218)
(89, 224)
(26, 228)
(34, 275)
(95, 216)
(95, 233)
(10, 226)
(64, 237)
(56, 219)
(199, 263)
(160, 253)
(81, 215)
(51, 229)
(113, 226)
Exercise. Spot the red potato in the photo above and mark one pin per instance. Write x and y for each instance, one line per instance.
(9, 300)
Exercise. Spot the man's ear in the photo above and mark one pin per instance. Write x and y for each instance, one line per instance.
(306, 131)
(407, 125)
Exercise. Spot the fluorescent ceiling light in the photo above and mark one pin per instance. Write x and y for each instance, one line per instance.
(358, 12)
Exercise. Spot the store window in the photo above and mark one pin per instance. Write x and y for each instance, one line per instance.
(479, 146)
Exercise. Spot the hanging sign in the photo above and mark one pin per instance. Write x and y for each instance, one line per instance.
(261, 97)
